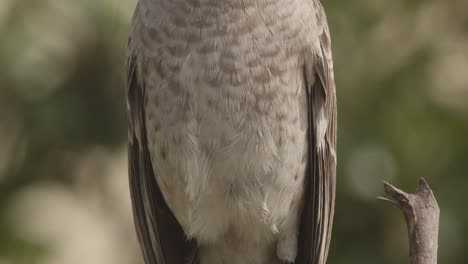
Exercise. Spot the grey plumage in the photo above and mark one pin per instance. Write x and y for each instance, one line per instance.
(232, 131)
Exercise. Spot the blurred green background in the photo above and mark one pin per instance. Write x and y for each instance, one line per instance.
(402, 80)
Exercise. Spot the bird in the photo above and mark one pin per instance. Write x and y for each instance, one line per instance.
(232, 124)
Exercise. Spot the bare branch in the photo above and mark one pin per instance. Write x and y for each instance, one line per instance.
(422, 218)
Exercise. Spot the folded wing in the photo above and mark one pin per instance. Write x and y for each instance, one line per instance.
(317, 217)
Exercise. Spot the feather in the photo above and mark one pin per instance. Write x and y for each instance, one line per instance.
(317, 217)
(160, 235)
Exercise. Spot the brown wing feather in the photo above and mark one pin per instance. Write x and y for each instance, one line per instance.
(317, 217)
(161, 238)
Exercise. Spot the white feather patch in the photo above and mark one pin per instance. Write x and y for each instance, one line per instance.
(321, 124)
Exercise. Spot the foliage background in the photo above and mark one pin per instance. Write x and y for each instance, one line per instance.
(402, 78)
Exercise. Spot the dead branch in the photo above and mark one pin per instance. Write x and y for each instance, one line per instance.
(422, 218)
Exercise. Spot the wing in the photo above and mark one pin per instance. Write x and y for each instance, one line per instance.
(161, 238)
(317, 217)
